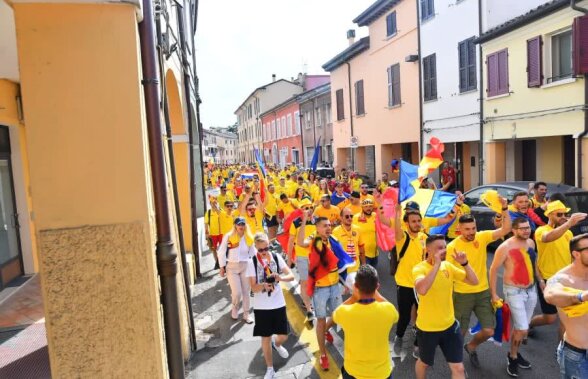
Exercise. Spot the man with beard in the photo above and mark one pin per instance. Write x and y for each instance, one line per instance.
(552, 255)
(518, 257)
(350, 238)
(569, 287)
(521, 207)
(366, 222)
(538, 199)
(476, 298)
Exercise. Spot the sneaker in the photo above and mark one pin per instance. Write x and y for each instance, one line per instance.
(310, 317)
(216, 266)
(329, 337)
(235, 313)
(512, 368)
(247, 318)
(397, 347)
(415, 352)
(523, 363)
(281, 350)
(531, 332)
(473, 356)
(270, 373)
(324, 362)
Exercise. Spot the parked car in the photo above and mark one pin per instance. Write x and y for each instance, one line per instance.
(576, 199)
(325, 172)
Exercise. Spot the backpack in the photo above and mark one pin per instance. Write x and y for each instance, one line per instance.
(274, 255)
(394, 258)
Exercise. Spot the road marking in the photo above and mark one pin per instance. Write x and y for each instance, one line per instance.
(307, 336)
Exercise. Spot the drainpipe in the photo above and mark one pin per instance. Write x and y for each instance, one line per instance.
(187, 94)
(350, 116)
(481, 143)
(314, 124)
(581, 135)
(165, 251)
(421, 125)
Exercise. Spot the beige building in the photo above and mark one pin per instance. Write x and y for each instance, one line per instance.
(219, 145)
(374, 91)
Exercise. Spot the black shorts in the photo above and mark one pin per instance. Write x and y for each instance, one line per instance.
(546, 308)
(450, 341)
(270, 321)
(271, 221)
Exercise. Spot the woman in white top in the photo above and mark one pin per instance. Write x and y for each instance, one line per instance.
(235, 250)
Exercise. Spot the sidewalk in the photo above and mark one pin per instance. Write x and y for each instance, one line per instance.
(227, 348)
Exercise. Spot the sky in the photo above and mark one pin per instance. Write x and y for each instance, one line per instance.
(241, 43)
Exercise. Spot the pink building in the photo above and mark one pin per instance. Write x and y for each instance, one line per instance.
(281, 133)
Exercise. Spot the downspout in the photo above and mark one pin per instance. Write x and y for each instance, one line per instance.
(350, 115)
(195, 248)
(481, 142)
(421, 125)
(581, 135)
(165, 251)
(314, 124)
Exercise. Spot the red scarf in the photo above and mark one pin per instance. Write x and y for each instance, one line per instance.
(316, 269)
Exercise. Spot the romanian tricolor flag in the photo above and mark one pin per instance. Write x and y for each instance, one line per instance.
(432, 159)
(523, 263)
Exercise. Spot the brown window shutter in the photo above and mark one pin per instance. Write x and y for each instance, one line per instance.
(534, 66)
(503, 72)
(580, 45)
(340, 109)
(492, 70)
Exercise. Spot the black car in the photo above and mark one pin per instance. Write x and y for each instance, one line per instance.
(576, 199)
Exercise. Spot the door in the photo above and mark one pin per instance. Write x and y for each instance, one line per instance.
(10, 254)
(529, 148)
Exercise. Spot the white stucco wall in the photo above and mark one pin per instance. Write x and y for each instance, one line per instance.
(454, 116)
(9, 65)
(496, 12)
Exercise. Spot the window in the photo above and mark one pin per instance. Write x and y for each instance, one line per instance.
(391, 24)
(467, 65)
(561, 56)
(359, 105)
(328, 113)
(534, 69)
(427, 9)
(497, 73)
(340, 109)
(319, 116)
(394, 85)
(430, 78)
(278, 128)
(283, 126)
(307, 115)
(297, 122)
(289, 124)
(273, 130)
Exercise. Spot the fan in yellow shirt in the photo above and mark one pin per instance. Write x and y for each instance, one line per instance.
(327, 210)
(355, 182)
(349, 236)
(366, 222)
(286, 205)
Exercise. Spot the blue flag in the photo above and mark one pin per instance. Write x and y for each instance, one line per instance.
(315, 156)
(345, 261)
(260, 162)
(408, 174)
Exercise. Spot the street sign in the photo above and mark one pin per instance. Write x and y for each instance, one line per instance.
(354, 143)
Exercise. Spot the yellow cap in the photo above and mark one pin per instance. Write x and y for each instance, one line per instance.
(556, 206)
(304, 203)
(491, 199)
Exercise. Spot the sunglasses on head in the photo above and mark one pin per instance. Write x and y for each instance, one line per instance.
(261, 250)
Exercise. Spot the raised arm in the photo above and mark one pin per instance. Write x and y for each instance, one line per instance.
(461, 258)
(556, 294)
(398, 232)
(506, 222)
(300, 241)
(560, 230)
(423, 284)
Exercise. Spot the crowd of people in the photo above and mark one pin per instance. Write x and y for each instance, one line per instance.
(441, 279)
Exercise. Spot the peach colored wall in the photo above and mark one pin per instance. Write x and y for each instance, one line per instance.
(380, 124)
(495, 153)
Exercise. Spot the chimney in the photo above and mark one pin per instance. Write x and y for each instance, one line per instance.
(351, 36)
(273, 78)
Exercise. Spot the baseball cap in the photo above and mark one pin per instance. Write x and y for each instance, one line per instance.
(412, 205)
(239, 221)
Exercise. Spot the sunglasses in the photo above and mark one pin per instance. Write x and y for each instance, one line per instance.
(348, 216)
(250, 209)
(306, 208)
(263, 249)
(560, 214)
(240, 224)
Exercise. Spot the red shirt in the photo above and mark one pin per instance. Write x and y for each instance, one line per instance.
(447, 174)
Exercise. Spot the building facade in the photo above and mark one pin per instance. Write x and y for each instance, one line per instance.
(282, 135)
(317, 124)
(219, 146)
(376, 107)
(533, 99)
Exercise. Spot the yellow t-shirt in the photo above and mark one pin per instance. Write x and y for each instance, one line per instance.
(356, 184)
(436, 307)
(291, 188)
(355, 209)
(536, 203)
(413, 256)
(282, 189)
(351, 241)
(367, 228)
(287, 208)
(255, 223)
(477, 257)
(222, 198)
(226, 221)
(212, 219)
(367, 328)
(309, 229)
(552, 256)
(362, 197)
(332, 213)
(452, 232)
(271, 206)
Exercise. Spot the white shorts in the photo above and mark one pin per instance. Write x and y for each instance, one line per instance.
(521, 302)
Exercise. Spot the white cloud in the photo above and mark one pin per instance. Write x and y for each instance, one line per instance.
(241, 43)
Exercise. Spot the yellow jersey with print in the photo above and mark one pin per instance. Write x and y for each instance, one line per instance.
(453, 231)
(309, 229)
(552, 256)
(271, 206)
(436, 306)
(367, 228)
(256, 222)
(536, 203)
(332, 213)
(477, 257)
(414, 255)
(226, 221)
(367, 327)
(287, 208)
(350, 240)
(212, 219)
(356, 184)
(362, 197)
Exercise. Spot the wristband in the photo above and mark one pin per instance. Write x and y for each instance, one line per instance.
(579, 296)
(465, 264)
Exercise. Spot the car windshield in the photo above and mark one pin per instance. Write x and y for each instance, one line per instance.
(578, 202)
